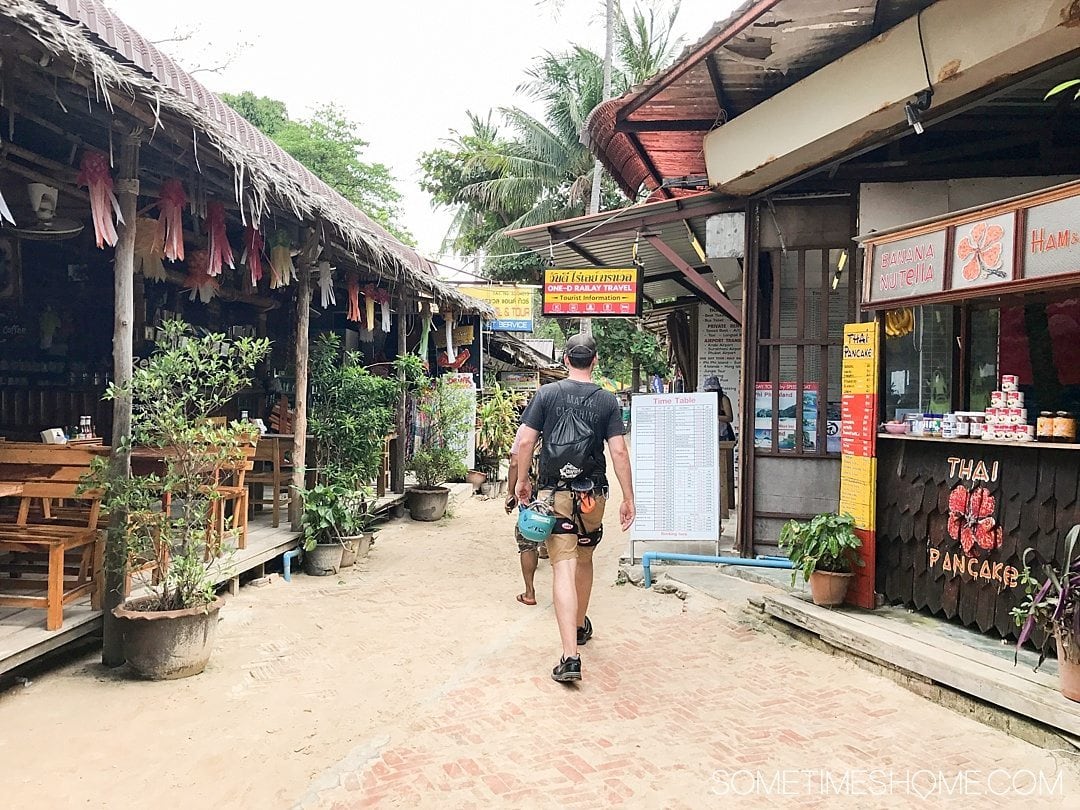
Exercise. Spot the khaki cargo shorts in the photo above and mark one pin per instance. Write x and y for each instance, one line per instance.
(568, 540)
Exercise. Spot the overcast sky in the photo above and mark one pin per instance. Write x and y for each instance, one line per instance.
(405, 69)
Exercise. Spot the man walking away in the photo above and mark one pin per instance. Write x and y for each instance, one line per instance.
(575, 417)
(528, 553)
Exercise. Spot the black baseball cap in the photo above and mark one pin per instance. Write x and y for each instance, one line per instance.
(581, 347)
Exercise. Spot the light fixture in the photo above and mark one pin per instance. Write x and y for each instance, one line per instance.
(841, 263)
(913, 110)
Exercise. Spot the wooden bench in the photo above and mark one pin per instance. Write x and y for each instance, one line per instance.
(52, 542)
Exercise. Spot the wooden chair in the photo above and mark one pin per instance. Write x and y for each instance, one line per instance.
(271, 480)
(68, 550)
(231, 502)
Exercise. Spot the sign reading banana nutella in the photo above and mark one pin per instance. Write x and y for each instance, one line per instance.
(593, 292)
(908, 267)
(1052, 243)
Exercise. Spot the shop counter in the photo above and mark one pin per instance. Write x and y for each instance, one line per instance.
(955, 517)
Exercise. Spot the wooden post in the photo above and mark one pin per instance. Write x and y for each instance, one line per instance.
(127, 188)
(307, 257)
(397, 466)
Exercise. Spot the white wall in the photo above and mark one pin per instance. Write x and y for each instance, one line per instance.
(890, 205)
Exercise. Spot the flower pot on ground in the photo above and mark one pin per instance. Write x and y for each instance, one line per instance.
(476, 478)
(169, 632)
(350, 549)
(824, 550)
(167, 644)
(331, 516)
(1051, 610)
(444, 427)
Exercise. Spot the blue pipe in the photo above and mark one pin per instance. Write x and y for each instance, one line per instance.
(286, 566)
(649, 556)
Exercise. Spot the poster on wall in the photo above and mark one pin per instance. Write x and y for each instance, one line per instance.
(676, 466)
(786, 425)
(720, 353)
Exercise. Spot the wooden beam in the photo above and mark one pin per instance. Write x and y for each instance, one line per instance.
(127, 190)
(710, 292)
(675, 125)
(588, 256)
(718, 89)
(308, 254)
(397, 467)
(650, 167)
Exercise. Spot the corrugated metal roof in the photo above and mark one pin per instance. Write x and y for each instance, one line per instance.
(126, 45)
(655, 131)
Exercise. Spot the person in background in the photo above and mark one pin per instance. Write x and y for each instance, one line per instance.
(528, 553)
(724, 412)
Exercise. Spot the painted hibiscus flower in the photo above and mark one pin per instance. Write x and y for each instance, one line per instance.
(981, 252)
(971, 519)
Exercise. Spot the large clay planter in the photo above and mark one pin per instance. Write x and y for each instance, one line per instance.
(427, 504)
(166, 644)
(1068, 655)
(829, 589)
(364, 545)
(324, 559)
(350, 550)
(476, 478)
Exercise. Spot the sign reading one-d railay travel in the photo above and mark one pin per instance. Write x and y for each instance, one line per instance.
(593, 292)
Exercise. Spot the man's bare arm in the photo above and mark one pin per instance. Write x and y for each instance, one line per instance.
(620, 460)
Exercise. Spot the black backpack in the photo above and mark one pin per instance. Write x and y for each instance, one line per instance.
(568, 450)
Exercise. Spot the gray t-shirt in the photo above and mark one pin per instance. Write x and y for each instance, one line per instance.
(601, 410)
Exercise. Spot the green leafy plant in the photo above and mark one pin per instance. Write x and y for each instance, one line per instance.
(1061, 88)
(497, 421)
(827, 542)
(444, 418)
(1053, 601)
(174, 393)
(352, 412)
(410, 367)
(331, 512)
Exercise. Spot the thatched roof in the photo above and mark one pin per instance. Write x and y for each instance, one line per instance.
(128, 71)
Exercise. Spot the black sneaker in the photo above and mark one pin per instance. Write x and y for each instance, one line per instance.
(584, 633)
(569, 669)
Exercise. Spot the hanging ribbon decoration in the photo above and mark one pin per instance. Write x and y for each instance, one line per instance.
(149, 248)
(253, 250)
(5, 212)
(281, 264)
(326, 284)
(170, 205)
(352, 312)
(424, 347)
(448, 324)
(199, 280)
(376, 295)
(94, 174)
(218, 246)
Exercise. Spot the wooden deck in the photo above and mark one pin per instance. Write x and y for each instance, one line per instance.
(23, 636)
(940, 651)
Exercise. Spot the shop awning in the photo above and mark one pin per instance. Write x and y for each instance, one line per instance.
(668, 236)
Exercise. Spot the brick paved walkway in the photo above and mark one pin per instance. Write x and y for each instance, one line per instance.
(683, 705)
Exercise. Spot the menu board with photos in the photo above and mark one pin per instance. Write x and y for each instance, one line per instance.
(676, 467)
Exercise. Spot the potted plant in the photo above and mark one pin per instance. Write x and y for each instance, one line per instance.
(497, 423)
(444, 425)
(824, 549)
(330, 521)
(169, 633)
(1052, 607)
(358, 545)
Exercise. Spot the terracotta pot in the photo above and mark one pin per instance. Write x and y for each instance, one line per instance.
(167, 644)
(476, 478)
(427, 504)
(829, 589)
(324, 559)
(1068, 654)
(364, 545)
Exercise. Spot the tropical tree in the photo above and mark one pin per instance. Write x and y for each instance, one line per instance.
(539, 171)
(329, 144)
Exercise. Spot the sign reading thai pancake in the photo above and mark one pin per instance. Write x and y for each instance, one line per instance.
(593, 292)
(908, 268)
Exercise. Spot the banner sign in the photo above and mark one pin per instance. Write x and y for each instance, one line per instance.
(594, 292)
(513, 305)
(520, 380)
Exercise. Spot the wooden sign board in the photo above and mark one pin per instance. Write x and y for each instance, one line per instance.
(594, 292)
